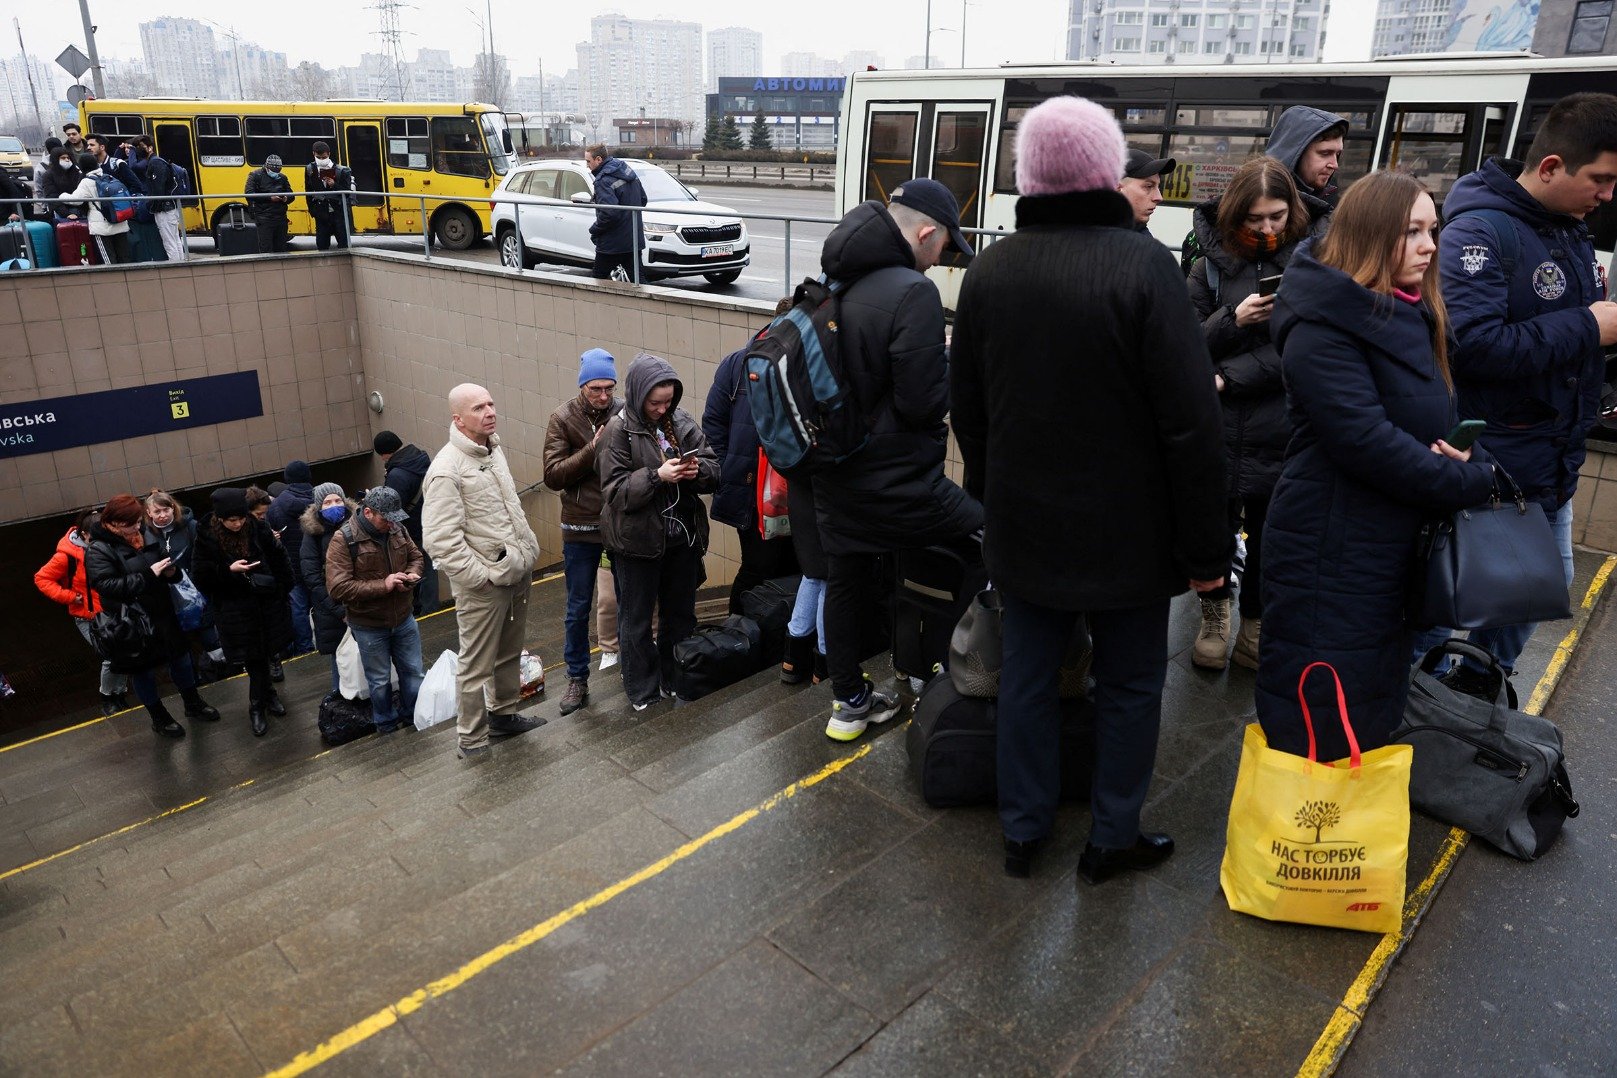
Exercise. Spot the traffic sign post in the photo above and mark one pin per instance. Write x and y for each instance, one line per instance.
(73, 61)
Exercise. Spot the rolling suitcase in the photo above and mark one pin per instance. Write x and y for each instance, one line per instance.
(935, 584)
(14, 249)
(43, 239)
(237, 235)
(75, 246)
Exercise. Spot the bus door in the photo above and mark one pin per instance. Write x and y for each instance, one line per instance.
(362, 148)
(891, 136)
(173, 138)
(959, 147)
(1438, 142)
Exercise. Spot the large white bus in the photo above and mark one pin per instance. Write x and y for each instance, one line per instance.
(1436, 118)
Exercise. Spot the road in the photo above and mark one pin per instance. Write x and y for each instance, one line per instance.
(765, 278)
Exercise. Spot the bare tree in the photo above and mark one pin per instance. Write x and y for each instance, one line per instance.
(1319, 815)
(492, 83)
(311, 82)
(133, 84)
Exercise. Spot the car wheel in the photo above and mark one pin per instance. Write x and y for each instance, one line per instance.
(455, 229)
(727, 277)
(511, 251)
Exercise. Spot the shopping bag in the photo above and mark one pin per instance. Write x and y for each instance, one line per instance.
(1319, 843)
(533, 675)
(189, 605)
(350, 671)
(774, 521)
(438, 701)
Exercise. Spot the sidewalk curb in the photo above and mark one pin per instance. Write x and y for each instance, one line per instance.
(1333, 1043)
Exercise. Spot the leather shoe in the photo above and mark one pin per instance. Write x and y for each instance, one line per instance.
(1019, 857)
(255, 715)
(198, 708)
(109, 705)
(273, 705)
(1099, 863)
(276, 673)
(511, 725)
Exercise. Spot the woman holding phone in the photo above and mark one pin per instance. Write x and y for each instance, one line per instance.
(242, 570)
(124, 568)
(1363, 336)
(1247, 237)
(654, 462)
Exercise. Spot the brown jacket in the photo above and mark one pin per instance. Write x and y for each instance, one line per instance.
(358, 582)
(570, 460)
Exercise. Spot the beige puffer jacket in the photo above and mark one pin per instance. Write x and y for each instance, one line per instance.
(471, 521)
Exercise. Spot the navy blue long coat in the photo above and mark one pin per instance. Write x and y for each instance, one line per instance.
(1366, 402)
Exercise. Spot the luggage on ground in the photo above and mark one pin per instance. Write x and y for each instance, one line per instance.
(75, 246)
(42, 241)
(716, 656)
(1482, 765)
(236, 234)
(1316, 842)
(438, 701)
(953, 747)
(935, 585)
(976, 650)
(16, 251)
(770, 605)
(342, 720)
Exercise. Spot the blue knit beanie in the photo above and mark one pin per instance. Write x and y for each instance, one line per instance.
(595, 364)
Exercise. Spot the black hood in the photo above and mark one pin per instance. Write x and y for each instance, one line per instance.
(410, 459)
(1296, 129)
(645, 374)
(868, 239)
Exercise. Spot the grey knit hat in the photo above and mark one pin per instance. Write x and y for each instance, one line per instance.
(321, 491)
(272, 161)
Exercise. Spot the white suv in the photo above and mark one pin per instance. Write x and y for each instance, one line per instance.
(554, 199)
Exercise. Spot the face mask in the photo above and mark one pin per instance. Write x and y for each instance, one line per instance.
(277, 171)
(140, 153)
(65, 166)
(334, 513)
(324, 163)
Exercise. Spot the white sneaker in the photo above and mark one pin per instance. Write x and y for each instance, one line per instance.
(849, 720)
(641, 707)
(609, 659)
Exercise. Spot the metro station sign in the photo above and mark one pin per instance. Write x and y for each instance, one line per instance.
(44, 426)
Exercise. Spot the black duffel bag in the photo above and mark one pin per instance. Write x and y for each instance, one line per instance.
(770, 605)
(343, 720)
(716, 656)
(1481, 765)
(953, 750)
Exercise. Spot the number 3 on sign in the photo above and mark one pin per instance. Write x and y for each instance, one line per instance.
(181, 409)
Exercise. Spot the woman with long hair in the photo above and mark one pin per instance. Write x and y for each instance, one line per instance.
(1363, 337)
(1247, 237)
(242, 570)
(171, 526)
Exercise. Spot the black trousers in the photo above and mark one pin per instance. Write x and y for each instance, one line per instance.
(259, 685)
(329, 230)
(669, 584)
(271, 235)
(847, 600)
(1250, 514)
(605, 264)
(761, 559)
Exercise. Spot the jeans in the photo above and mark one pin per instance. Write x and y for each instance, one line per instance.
(1506, 644)
(111, 684)
(808, 612)
(336, 675)
(761, 559)
(398, 648)
(668, 583)
(145, 682)
(302, 632)
(581, 562)
(1130, 665)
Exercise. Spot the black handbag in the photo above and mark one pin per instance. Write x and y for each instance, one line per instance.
(1493, 565)
(263, 583)
(342, 720)
(124, 636)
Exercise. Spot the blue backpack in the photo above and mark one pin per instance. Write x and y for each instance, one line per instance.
(179, 181)
(798, 390)
(112, 199)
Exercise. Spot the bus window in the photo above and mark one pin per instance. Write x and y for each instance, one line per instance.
(889, 152)
(1221, 116)
(457, 148)
(1429, 144)
(957, 162)
(1005, 162)
(1207, 163)
(407, 143)
(498, 132)
(116, 126)
(219, 141)
(292, 138)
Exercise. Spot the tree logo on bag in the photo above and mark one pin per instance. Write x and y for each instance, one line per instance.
(1319, 815)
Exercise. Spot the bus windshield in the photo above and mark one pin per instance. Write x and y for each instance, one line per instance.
(498, 134)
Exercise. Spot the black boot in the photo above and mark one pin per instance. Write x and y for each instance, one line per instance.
(1019, 857)
(822, 669)
(109, 705)
(273, 705)
(163, 724)
(277, 675)
(1098, 864)
(799, 661)
(255, 715)
(198, 708)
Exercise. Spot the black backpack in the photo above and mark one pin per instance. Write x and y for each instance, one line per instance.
(802, 406)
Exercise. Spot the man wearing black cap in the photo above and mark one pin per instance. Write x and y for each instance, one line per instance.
(268, 195)
(1142, 185)
(405, 470)
(892, 494)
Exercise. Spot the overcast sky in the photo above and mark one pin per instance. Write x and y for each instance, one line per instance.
(334, 32)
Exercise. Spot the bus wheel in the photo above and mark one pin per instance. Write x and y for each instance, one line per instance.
(454, 229)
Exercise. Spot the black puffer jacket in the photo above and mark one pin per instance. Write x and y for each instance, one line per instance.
(1085, 412)
(1256, 428)
(406, 471)
(637, 504)
(892, 494)
(122, 574)
(262, 185)
(330, 619)
(252, 624)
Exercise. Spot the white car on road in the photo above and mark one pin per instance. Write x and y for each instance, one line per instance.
(542, 212)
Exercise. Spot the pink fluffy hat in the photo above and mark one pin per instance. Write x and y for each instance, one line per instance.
(1069, 144)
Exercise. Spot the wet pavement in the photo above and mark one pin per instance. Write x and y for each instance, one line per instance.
(715, 888)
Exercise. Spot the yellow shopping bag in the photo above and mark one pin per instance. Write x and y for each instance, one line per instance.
(1319, 843)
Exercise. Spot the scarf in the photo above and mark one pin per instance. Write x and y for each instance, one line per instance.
(1255, 245)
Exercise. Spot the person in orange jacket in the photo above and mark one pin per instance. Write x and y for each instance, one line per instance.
(65, 580)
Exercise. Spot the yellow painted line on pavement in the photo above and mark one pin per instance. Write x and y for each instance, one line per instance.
(1348, 1017)
(233, 677)
(373, 1024)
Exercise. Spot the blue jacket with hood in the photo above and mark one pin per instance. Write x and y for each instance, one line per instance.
(616, 185)
(1529, 359)
(1297, 128)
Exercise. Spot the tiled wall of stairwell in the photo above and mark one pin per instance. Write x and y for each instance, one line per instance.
(293, 320)
(429, 326)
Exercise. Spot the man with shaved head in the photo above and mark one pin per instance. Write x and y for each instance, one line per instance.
(479, 538)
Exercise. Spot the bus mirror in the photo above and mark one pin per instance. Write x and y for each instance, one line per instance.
(581, 198)
(505, 138)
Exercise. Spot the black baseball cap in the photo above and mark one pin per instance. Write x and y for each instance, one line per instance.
(1142, 166)
(937, 202)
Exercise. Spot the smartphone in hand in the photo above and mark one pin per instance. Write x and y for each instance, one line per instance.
(1268, 286)
(1465, 433)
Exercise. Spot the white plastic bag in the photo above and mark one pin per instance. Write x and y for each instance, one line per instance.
(439, 699)
(350, 671)
(533, 674)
